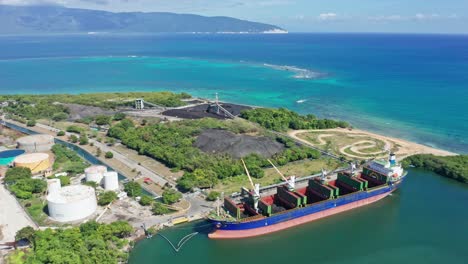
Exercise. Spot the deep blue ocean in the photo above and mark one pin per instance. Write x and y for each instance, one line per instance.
(409, 86)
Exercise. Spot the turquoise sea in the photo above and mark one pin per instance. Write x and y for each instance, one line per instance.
(409, 86)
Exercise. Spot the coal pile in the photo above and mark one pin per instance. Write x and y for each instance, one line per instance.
(78, 111)
(205, 110)
(217, 141)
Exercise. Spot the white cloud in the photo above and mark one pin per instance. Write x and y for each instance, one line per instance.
(420, 16)
(416, 17)
(386, 18)
(327, 16)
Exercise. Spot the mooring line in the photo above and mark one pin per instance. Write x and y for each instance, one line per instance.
(181, 242)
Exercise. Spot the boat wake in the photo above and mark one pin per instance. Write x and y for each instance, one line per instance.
(299, 73)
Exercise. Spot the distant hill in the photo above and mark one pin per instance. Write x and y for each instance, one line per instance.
(57, 19)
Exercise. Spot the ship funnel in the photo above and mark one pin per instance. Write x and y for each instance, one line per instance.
(392, 159)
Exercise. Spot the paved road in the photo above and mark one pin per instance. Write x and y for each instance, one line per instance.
(199, 208)
(12, 216)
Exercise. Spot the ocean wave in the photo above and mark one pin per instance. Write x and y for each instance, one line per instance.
(299, 73)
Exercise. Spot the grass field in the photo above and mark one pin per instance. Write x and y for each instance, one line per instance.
(36, 209)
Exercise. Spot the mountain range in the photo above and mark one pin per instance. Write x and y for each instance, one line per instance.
(50, 19)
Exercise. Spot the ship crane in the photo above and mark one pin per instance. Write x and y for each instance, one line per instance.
(323, 175)
(353, 168)
(291, 181)
(256, 188)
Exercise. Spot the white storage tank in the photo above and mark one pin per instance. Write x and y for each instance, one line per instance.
(95, 173)
(72, 203)
(53, 186)
(36, 143)
(111, 181)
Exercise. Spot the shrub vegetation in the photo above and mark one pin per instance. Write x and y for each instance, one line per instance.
(91, 242)
(283, 119)
(454, 167)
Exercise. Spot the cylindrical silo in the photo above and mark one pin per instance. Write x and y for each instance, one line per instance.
(53, 185)
(111, 181)
(72, 203)
(36, 143)
(95, 173)
(37, 162)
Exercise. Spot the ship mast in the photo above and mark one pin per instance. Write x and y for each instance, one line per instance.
(292, 180)
(256, 187)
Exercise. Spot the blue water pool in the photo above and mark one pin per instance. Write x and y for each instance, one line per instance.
(7, 156)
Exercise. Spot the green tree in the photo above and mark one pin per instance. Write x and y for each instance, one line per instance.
(171, 196)
(84, 140)
(59, 116)
(133, 189)
(75, 129)
(102, 120)
(17, 173)
(119, 116)
(61, 133)
(121, 229)
(106, 198)
(109, 155)
(213, 196)
(146, 200)
(160, 209)
(26, 233)
(64, 180)
(31, 123)
(73, 139)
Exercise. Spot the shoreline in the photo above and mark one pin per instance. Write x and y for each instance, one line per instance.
(414, 147)
(408, 148)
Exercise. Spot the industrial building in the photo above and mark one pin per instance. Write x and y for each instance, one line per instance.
(70, 203)
(95, 173)
(37, 162)
(36, 143)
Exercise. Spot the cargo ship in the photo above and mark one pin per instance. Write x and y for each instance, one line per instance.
(254, 214)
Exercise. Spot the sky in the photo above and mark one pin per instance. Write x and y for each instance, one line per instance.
(406, 16)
